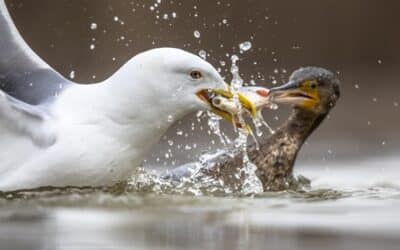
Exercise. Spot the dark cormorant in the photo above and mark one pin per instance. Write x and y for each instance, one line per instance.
(312, 92)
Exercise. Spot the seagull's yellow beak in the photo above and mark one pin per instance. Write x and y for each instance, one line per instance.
(221, 103)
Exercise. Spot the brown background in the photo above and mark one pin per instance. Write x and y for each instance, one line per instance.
(358, 39)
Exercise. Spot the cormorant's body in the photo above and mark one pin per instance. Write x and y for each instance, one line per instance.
(274, 158)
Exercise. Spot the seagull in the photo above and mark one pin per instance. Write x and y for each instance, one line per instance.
(56, 133)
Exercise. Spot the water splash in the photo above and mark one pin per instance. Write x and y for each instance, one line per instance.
(259, 122)
(93, 26)
(241, 180)
(245, 46)
(252, 184)
(203, 54)
(196, 34)
(214, 125)
(237, 81)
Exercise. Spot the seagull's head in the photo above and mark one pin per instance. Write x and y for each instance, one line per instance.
(179, 82)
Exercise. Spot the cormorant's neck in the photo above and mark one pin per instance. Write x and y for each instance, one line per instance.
(277, 155)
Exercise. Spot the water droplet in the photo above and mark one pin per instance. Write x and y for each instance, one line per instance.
(273, 106)
(296, 47)
(245, 46)
(356, 86)
(116, 18)
(234, 58)
(203, 54)
(93, 26)
(173, 14)
(170, 143)
(237, 81)
(92, 46)
(379, 61)
(214, 125)
(196, 34)
(170, 118)
(165, 16)
(259, 122)
(72, 74)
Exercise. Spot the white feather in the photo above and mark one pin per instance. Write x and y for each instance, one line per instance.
(104, 130)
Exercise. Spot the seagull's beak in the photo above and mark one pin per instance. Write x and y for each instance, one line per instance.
(296, 94)
(215, 98)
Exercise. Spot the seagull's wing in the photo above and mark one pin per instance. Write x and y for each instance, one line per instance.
(23, 74)
(19, 119)
(25, 130)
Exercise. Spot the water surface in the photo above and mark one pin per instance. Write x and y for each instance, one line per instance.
(351, 205)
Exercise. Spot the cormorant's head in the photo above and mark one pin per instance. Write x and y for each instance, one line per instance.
(311, 88)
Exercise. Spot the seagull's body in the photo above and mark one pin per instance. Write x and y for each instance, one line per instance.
(91, 135)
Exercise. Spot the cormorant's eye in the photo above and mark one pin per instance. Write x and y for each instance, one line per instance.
(195, 74)
(313, 85)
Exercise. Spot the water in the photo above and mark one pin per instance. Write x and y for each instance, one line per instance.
(349, 207)
(203, 54)
(196, 34)
(245, 46)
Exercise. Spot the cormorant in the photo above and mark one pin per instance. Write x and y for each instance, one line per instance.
(312, 92)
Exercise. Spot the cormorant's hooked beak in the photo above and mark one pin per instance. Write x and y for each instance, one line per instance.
(226, 110)
(294, 93)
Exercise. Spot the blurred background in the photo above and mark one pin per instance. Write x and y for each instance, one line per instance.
(352, 159)
(356, 39)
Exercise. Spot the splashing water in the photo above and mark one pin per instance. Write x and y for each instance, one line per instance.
(196, 180)
(260, 122)
(196, 34)
(214, 125)
(252, 184)
(245, 46)
(237, 81)
(203, 54)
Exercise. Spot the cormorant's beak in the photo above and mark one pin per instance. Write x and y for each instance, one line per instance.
(226, 110)
(294, 93)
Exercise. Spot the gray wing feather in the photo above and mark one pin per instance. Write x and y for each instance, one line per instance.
(23, 74)
(22, 119)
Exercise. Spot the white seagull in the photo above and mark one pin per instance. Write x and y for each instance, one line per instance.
(89, 135)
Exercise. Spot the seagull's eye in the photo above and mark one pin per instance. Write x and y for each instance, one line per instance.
(195, 74)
